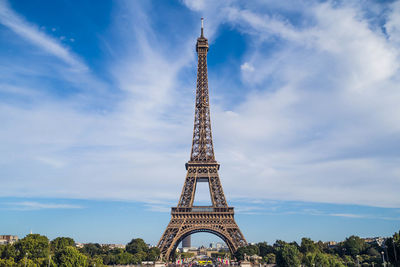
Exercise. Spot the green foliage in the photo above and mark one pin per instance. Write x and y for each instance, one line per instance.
(279, 244)
(288, 256)
(248, 250)
(373, 252)
(69, 257)
(35, 249)
(307, 245)
(136, 245)
(354, 245)
(393, 249)
(270, 258)
(152, 254)
(96, 261)
(92, 249)
(7, 262)
(321, 259)
(265, 249)
(220, 254)
(61, 243)
(141, 256)
(29, 263)
(125, 258)
(34, 246)
(8, 251)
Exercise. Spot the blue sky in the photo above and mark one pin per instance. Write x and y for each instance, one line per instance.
(96, 108)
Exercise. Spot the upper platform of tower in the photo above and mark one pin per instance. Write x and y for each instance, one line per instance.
(202, 42)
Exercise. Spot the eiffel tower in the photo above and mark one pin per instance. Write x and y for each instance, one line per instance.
(187, 219)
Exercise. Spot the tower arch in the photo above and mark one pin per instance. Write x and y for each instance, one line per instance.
(202, 229)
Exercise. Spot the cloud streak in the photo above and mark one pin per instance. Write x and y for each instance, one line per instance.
(317, 120)
(32, 34)
(33, 205)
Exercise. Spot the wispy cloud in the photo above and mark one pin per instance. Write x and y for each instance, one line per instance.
(317, 118)
(347, 215)
(320, 104)
(32, 33)
(32, 205)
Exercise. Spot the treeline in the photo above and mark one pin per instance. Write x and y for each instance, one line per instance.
(36, 250)
(351, 252)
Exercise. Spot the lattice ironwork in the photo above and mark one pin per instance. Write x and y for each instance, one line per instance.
(187, 219)
(202, 145)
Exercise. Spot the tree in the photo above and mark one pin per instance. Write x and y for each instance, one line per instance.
(335, 261)
(307, 245)
(349, 261)
(153, 254)
(309, 259)
(95, 261)
(136, 245)
(279, 244)
(29, 263)
(92, 249)
(248, 250)
(373, 252)
(8, 262)
(125, 258)
(8, 251)
(393, 248)
(265, 249)
(140, 256)
(61, 243)
(35, 246)
(321, 259)
(288, 256)
(354, 245)
(270, 258)
(70, 256)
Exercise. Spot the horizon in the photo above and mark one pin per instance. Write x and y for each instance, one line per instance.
(97, 107)
(216, 241)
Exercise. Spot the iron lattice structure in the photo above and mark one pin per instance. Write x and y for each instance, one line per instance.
(187, 219)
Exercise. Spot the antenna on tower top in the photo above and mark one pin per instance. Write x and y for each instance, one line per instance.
(202, 26)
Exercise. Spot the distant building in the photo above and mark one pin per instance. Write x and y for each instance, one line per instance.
(331, 244)
(8, 239)
(221, 245)
(187, 242)
(375, 240)
(112, 246)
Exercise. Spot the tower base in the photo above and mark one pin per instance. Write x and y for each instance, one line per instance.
(187, 221)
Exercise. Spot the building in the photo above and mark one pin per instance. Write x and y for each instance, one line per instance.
(331, 244)
(113, 246)
(187, 242)
(8, 239)
(375, 240)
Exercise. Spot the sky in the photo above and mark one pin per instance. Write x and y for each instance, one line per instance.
(97, 106)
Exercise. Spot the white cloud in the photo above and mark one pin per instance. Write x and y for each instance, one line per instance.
(32, 33)
(325, 130)
(347, 215)
(70, 152)
(33, 205)
(247, 67)
(317, 133)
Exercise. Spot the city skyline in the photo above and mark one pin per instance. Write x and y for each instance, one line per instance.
(97, 112)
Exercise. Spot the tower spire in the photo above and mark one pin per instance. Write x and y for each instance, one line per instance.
(202, 144)
(202, 26)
